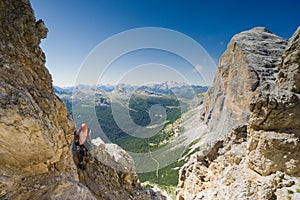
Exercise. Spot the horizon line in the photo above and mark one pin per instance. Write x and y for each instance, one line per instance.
(128, 84)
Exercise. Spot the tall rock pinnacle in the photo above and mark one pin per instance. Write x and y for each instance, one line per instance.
(249, 63)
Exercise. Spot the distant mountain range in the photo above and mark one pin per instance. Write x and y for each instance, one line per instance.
(181, 90)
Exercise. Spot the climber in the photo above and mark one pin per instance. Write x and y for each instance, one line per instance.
(82, 146)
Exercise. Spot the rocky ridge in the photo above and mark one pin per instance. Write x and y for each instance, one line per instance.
(36, 131)
(258, 159)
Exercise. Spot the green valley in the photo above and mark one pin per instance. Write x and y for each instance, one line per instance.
(122, 116)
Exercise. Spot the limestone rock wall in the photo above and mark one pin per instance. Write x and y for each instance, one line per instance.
(274, 128)
(34, 125)
(261, 159)
(36, 131)
(249, 63)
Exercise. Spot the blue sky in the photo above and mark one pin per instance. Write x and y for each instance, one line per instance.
(76, 27)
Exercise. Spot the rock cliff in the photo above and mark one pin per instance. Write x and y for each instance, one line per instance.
(34, 124)
(36, 131)
(249, 63)
(259, 159)
(274, 127)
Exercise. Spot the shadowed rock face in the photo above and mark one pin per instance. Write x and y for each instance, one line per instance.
(249, 63)
(289, 75)
(274, 127)
(281, 105)
(259, 160)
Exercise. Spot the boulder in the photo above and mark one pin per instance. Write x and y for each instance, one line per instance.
(111, 174)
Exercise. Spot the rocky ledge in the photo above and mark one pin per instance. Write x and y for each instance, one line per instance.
(110, 174)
